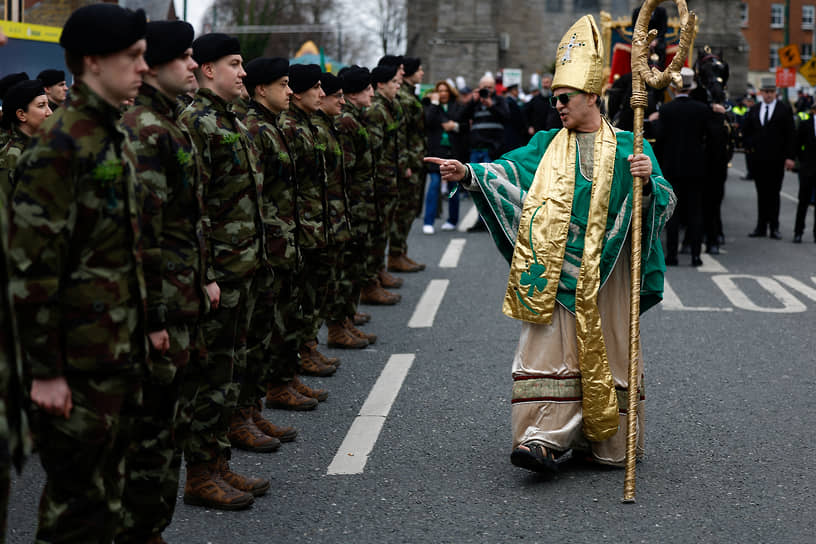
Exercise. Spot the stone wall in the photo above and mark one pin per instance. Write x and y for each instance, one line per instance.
(470, 37)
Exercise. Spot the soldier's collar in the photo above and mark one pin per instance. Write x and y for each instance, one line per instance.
(82, 97)
(214, 98)
(153, 98)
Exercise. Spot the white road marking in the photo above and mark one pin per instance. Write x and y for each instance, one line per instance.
(789, 197)
(469, 220)
(425, 311)
(738, 298)
(353, 454)
(672, 303)
(797, 285)
(450, 259)
(710, 264)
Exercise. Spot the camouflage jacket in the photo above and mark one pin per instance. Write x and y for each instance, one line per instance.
(74, 250)
(9, 155)
(310, 172)
(232, 187)
(279, 187)
(357, 155)
(383, 127)
(336, 183)
(414, 126)
(173, 234)
(13, 421)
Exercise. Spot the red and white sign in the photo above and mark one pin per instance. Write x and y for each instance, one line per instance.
(785, 77)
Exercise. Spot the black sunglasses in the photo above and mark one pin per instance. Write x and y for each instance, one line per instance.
(564, 98)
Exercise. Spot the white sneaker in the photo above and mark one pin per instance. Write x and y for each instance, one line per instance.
(448, 226)
(428, 229)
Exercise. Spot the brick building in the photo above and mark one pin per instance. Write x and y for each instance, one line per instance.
(763, 26)
(56, 12)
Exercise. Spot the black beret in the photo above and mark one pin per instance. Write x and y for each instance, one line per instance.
(383, 73)
(211, 47)
(389, 60)
(167, 40)
(100, 29)
(303, 77)
(9, 81)
(411, 65)
(262, 71)
(330, 83)
(51, 77)
(355, 79)
(18, 97)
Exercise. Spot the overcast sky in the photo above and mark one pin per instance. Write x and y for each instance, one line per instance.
(195, 11)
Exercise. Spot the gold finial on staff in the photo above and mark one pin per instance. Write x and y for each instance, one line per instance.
(641, 76)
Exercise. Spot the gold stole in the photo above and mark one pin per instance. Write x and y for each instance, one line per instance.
(539, 252)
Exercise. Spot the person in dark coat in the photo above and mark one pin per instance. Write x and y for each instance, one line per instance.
(540, 114)
(806, 150)
(769, 135)
(682, 130)
(442, 129)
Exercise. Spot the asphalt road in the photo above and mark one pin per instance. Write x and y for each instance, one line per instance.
(730, 379)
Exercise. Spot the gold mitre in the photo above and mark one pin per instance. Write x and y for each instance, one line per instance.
(578, 61)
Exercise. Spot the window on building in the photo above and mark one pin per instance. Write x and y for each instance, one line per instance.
(555, 6)
(744, 14)
(774, 58)
(808, 15)
(777, 15)
(587, 5)
(806, 51)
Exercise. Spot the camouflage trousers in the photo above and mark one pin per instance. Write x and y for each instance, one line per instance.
(382, 231)
(408, 207)
(209, 385)
(344, 290)
(159, 430)
(317, 272)
(84, 459)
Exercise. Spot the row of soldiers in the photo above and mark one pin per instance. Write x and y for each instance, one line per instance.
(169, 264)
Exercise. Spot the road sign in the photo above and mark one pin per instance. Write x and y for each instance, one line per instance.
(511, 76)
(808, 70)
(785, 77)
(789, 56)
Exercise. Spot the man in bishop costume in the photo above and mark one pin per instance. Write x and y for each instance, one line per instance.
(560, 210)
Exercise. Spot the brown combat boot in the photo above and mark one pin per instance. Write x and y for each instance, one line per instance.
(413, 262)
(206, 487)
(284, 395)
(399, 263)
(284, 434)
(244, 434)
(371, 338)
(254, 486)
(333, 361)
(387, 280)
(361, 318)
(340, 337)
(374, 294)
(303, 389)
(312, 365)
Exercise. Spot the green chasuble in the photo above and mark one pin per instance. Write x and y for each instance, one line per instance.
(504, 185)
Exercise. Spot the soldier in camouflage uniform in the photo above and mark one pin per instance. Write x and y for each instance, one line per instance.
(383, 123)
(232, 188)
(26, 107)
(312, 207)
(76, 279)
(412, 186)
(278, 319)
(365, 214)
(6, 83)
(174, 267)
(55, 88)
(341, 299)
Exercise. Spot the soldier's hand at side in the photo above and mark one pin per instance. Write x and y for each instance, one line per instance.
(160, 340)
(790, 164)
(214, 293)
(451, 170)
(408, 172)
(53, 396)
(640, 166)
